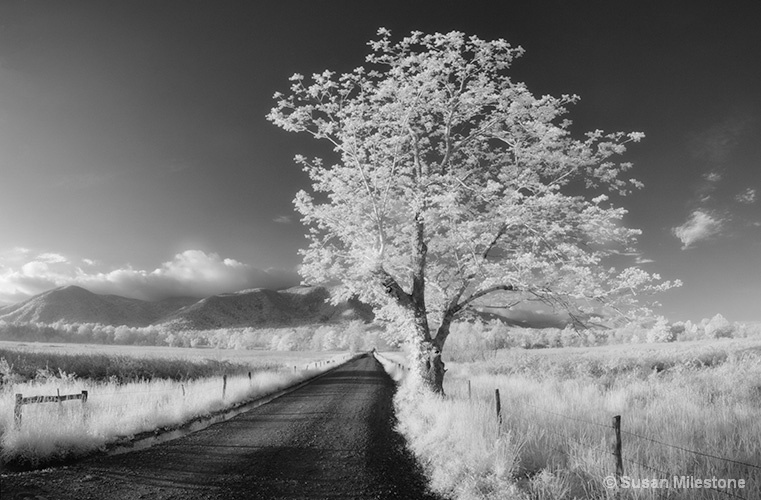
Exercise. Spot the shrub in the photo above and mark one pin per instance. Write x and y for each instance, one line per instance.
(719, 327)
(660, 332)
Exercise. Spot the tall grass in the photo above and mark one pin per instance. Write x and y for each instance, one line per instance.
(131, 363)
(114, 411)
(458, 442)
(19, 365)
(557, 416)
(462, 449)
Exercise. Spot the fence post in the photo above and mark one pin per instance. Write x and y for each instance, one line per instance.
(17, 410)
(617, 448)
(224, 385)
(60, 403)
(84, 408)
(499, 406)
(249, 379)
(469, 398)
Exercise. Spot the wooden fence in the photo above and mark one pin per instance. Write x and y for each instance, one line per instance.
(21, 401)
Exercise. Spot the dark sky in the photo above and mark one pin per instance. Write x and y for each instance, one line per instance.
(135, 157)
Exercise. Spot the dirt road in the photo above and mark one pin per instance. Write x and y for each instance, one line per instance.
(332, 439)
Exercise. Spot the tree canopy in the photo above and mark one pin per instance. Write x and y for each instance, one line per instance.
(452, 182)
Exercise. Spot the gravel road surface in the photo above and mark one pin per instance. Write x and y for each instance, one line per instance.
(333, 438)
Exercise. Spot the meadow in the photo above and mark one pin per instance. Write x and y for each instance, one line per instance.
(122, 363)
(687, 409)
(146, 389)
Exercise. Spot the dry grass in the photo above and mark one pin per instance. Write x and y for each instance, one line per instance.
(476, 461)
(52, 431)
(557, 412)
(254, 357)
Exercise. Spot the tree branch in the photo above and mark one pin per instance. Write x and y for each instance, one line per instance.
(392, 287)
(481, 293)
(420, 252)
(494, 241)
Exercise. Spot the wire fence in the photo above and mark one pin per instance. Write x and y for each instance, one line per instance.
(626, 462)
(622, 465)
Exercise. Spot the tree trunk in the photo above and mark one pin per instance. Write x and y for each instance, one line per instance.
(432, 369)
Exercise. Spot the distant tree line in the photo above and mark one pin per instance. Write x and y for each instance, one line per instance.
(353, 336)
(471, 340)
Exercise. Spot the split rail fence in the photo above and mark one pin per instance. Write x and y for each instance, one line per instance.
(21, 401)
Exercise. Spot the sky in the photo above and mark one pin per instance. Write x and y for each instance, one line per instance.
(135, 157)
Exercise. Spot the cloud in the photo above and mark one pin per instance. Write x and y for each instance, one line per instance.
(190, 273)
(714, 176)
(717, 143)
(717, 192)
(15, 255)
(700, 226)
(638, 258)
(52, 257)
(643, 260)
(283, 219)
(747, 197)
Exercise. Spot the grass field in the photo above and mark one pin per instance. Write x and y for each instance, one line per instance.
(687, 409)
(21, 362)
(243, 356)
(121, 407)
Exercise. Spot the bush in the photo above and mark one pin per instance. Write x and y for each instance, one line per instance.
(660, 332)
(719, 327)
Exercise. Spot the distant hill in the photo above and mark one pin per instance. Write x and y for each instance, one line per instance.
(525, 318)
(73, 304)
(257, 307)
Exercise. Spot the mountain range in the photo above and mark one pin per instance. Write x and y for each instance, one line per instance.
(255, 307)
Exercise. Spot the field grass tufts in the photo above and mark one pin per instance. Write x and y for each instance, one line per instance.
(688, 410)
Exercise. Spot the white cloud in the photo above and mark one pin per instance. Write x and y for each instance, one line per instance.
(15, 255)
(51, 257)
(189, 273)
(700, 226)
(638, 258)
(747, 197)
(283, 219)
(713, 176)
(35, 269)
(643, 260)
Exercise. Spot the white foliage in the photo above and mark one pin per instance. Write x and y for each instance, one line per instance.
(448, 169)
(718, 327)
(660, 331)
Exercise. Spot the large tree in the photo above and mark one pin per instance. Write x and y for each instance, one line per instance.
(452, 184)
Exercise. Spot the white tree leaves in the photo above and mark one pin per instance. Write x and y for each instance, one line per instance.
(446, 163)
